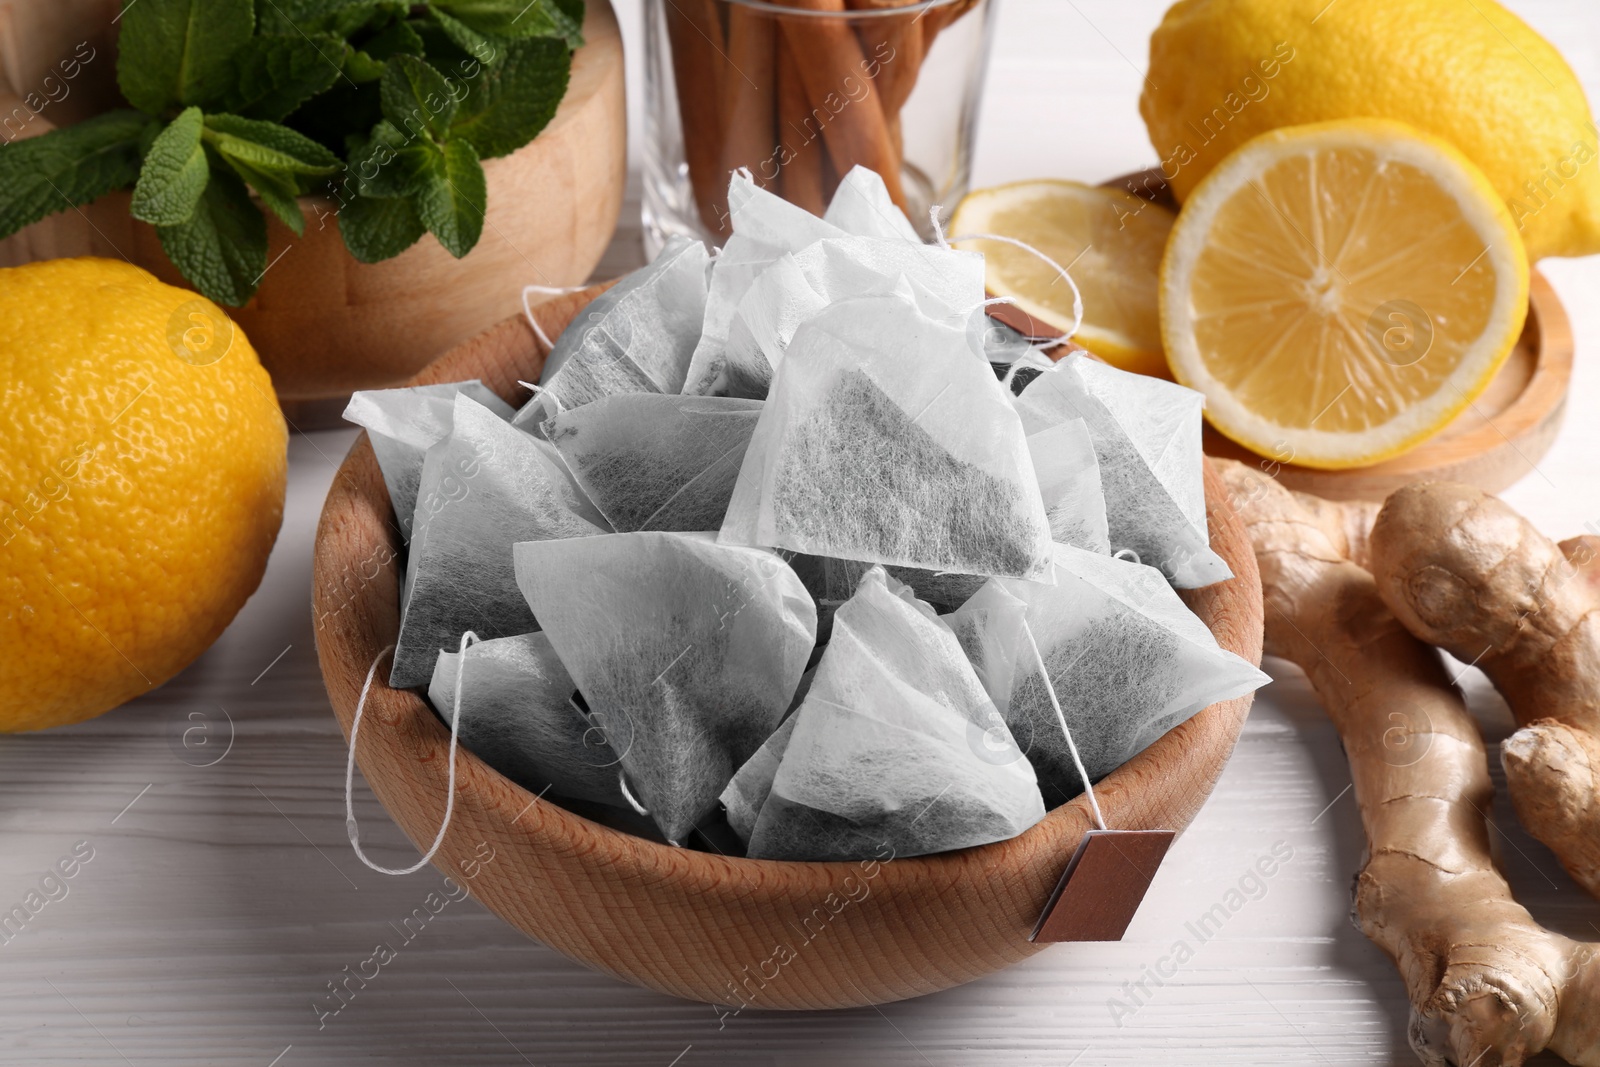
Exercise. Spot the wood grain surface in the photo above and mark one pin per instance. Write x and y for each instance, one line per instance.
(324, 324)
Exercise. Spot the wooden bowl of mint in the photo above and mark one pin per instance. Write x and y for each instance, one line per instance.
(359, 185)
(720, 929)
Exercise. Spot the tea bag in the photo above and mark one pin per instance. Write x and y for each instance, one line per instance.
(1146, 435)
(862, 206)
(485, 487)
(687, 652)
(897, 743)
(403, 424)
(1069, 484)
(636, 337)
(946, 283)
(653, 461)
(1128, 660)
(885, 439)
(518, 716)
(752, 783)
(764, 228)
(947, 589)
(989, 629)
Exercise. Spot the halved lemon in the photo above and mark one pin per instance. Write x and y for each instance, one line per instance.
(1109, 240)
(1341, 291)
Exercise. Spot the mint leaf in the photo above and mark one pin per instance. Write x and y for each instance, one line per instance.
(416, 98)
(451, 194)
(270, 147)
(361, 68)
(375, 228)
(341, 18)
(398, 38)
(512, 101)
(222, 249)
(174, 174)
(68, 167)
(278, 163)
(169, 49)
(461, 38)
(380, 165)
(275, 191)
(272, 75)
(518, 19)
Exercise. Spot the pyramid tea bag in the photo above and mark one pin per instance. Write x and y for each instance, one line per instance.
(752, 783)
(403, 424)
(886, 439)
(764, 228)
(947, 284)
(1069, 484)
(652, 461)
(1128, 661)
(485, 487)
(946, 589)
(1146, 435)
(862, 206)
(689, 648)
(989, 629)
(896, 743)
(518, 716)
(635, 337)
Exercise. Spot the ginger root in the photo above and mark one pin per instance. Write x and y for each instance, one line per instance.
(1463, 571)
(1488, 985)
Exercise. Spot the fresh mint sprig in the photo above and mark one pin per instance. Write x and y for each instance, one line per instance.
(386, 108)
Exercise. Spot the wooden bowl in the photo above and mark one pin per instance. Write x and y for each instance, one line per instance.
(692, 924)
(1496, 441)
(324, 324)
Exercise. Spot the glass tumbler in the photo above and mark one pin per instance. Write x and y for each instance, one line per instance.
(799, 92)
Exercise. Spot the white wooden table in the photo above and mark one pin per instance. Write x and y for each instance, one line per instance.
(222, 899)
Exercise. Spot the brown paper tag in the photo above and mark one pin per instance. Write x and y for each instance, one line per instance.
(1103, 885)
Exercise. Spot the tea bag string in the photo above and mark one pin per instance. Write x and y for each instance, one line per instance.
(1072, 746)
(1061, 272)
(467, 639)
(544, 290)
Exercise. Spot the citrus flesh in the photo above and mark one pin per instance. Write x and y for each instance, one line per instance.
(1109, 240)
(1340, 292)
(141, 487)
(1468, 71)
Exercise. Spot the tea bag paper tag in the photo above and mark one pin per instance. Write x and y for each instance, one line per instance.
(1103, 885)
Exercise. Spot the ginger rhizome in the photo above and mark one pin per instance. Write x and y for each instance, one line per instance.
(1488, 985)
(1463, 571)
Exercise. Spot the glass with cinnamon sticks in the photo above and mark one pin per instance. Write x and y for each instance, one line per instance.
(800, 91)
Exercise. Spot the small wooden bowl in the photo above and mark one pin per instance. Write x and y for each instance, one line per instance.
(696, 925)
(324, 324)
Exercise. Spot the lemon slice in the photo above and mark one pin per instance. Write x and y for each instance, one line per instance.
(1341, 291)
(1110, 240)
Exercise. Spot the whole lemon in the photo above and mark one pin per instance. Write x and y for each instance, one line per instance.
(1468, 71)
(141, 487)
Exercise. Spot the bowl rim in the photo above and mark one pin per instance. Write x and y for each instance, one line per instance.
(356, 577)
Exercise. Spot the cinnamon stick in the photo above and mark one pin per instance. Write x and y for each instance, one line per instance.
(749, 95)
(841, 97)
(895, 46)
(699, 62)
(801, 151)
